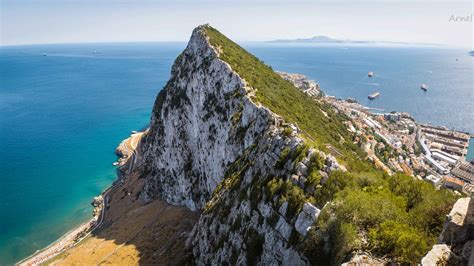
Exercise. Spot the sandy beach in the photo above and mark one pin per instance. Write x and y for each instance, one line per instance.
(127, 151)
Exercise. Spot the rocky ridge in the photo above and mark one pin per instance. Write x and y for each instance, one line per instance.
(210, 147)
(234, 140)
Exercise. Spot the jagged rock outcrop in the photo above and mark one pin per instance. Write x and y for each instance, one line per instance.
(242, 152)
(306, 218)
(210, 147)
(459, 225)
(201, 122)
(457, 238)
(98, 204)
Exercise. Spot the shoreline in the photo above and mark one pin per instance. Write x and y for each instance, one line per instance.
(66, 241)
(127, 153)
(126, 150)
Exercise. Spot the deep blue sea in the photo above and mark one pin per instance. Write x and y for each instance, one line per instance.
(62, 115)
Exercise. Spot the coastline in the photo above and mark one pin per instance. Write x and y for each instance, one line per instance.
(66, 241)
(127, 153)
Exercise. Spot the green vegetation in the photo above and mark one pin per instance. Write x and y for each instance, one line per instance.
(399, 239)
(285, 191)
(395, 216)
(287, 132)
(282, 97)
(398, 216)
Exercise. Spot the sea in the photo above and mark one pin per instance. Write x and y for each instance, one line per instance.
(64, 109)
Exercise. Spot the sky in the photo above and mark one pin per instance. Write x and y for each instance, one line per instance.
(78, 21)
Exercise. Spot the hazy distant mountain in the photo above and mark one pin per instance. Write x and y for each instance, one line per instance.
(471, 53)
(315, 39)
(326, 39)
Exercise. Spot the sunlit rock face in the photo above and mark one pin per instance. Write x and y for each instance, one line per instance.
(456, 242)
(202, 120)
(210, 147)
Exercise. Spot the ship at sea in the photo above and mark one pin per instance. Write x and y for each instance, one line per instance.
(374, 95)
(424, 87)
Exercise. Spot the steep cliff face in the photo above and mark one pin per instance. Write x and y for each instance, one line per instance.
(210, 147)
(275, 173)
(201, 122)
(259, 211)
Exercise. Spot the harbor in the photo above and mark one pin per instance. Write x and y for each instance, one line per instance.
(396, 142)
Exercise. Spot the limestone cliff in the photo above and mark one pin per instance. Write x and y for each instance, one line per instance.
(269, 167)
(210, 147)
(201, 122)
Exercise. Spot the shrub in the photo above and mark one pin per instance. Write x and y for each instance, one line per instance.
(400, 241)
(287, 132)
(316, 161)
(284, 156)
(314, 178)
(336, 182)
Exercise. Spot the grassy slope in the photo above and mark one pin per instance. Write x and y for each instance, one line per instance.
(400, 217)
(280, 96)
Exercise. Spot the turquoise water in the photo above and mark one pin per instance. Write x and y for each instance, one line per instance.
(470, 151)
(62, 115)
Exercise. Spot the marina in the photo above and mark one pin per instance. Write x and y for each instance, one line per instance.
(436, 154)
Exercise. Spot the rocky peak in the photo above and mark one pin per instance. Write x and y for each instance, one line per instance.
(201, 122)
(257, 157)
(210, 147)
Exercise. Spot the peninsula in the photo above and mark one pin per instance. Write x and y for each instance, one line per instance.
(244, 165)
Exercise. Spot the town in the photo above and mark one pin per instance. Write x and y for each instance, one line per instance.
(395, 142)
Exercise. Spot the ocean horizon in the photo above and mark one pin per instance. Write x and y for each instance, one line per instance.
(64, 108)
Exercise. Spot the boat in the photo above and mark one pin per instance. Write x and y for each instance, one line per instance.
(134, 132)
(371, 74)
(374, 95)
(424, 87)
(44, 54)
(115, 163)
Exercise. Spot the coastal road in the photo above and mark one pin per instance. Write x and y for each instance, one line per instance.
(128, 148)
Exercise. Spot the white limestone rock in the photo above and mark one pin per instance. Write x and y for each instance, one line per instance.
(283, 208)
(459, 225)
(306, 218)
(302, 169)
(333, 165)
(192, 134)
(202, 122)
(438, 255)
(284, 228)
